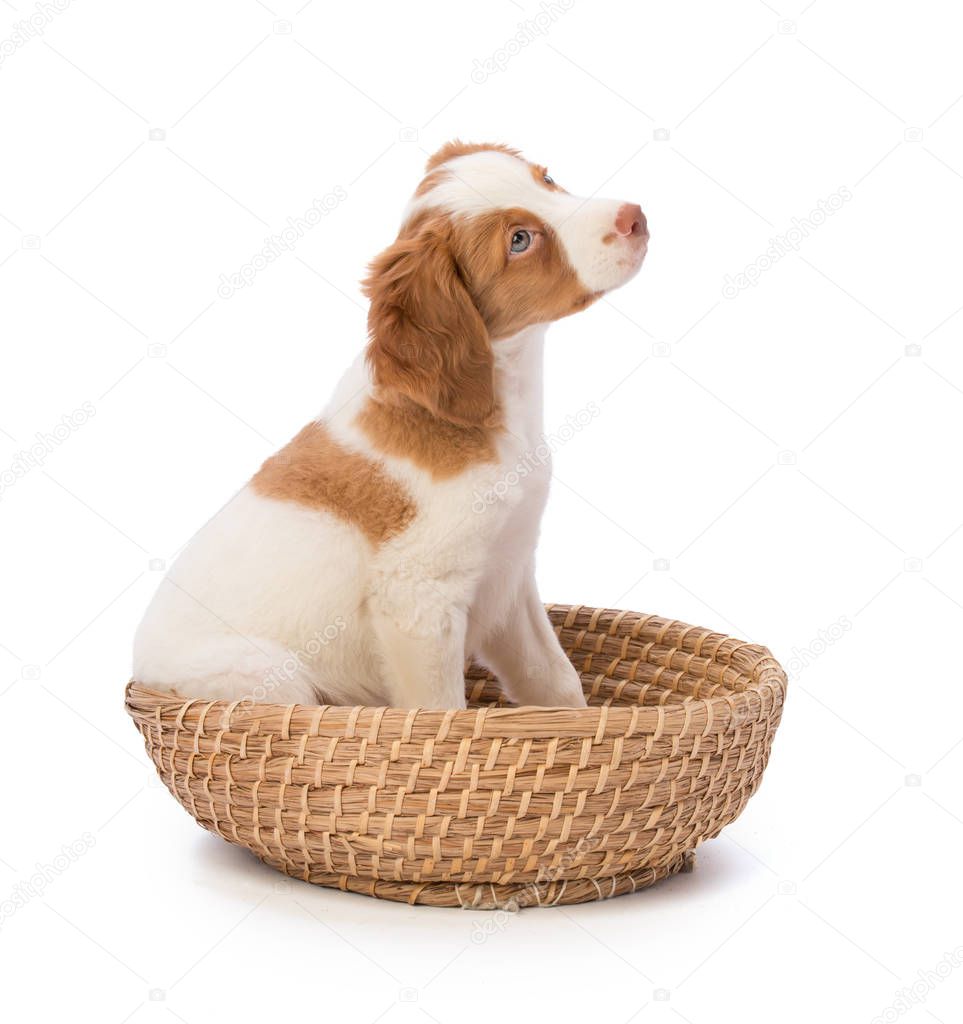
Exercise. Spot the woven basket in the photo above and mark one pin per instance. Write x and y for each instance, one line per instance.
(494, 806)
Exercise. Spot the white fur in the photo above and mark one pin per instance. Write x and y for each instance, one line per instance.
(275, 601)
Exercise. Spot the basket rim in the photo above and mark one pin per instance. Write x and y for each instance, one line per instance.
(766, 680)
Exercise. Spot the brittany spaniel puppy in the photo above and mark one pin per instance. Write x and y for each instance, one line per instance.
(393, 538)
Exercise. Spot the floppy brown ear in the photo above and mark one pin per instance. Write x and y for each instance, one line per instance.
(426, 338)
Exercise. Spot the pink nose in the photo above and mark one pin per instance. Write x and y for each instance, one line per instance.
(630, 220)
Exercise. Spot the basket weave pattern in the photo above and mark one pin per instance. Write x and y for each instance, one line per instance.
(495, 805)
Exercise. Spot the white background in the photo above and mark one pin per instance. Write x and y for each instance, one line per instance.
(782, 464)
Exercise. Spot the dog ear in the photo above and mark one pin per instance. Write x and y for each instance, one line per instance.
(427, 340)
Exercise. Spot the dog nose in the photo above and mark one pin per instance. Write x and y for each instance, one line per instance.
(630, 220)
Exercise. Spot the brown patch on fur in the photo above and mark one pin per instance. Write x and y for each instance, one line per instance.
(458, 148)
(538, 286)
(314, 470)
(401, 428)
(427, 339)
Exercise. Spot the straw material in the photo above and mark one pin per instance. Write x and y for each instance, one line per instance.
(494, 806)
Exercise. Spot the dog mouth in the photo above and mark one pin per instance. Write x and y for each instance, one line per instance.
(630, 264)
(638, 257)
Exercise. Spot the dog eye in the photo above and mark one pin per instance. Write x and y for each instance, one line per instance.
(521, 240)
(548, 179)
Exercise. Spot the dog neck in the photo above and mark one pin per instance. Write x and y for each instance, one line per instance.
(518, 372)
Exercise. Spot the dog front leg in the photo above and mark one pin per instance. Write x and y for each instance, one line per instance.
(423, 656)
(528, 660)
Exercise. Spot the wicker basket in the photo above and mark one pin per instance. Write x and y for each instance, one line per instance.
(494, 806)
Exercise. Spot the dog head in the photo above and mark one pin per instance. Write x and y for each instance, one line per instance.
(489, 245)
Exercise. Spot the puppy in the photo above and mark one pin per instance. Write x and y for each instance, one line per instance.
(393, 538)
